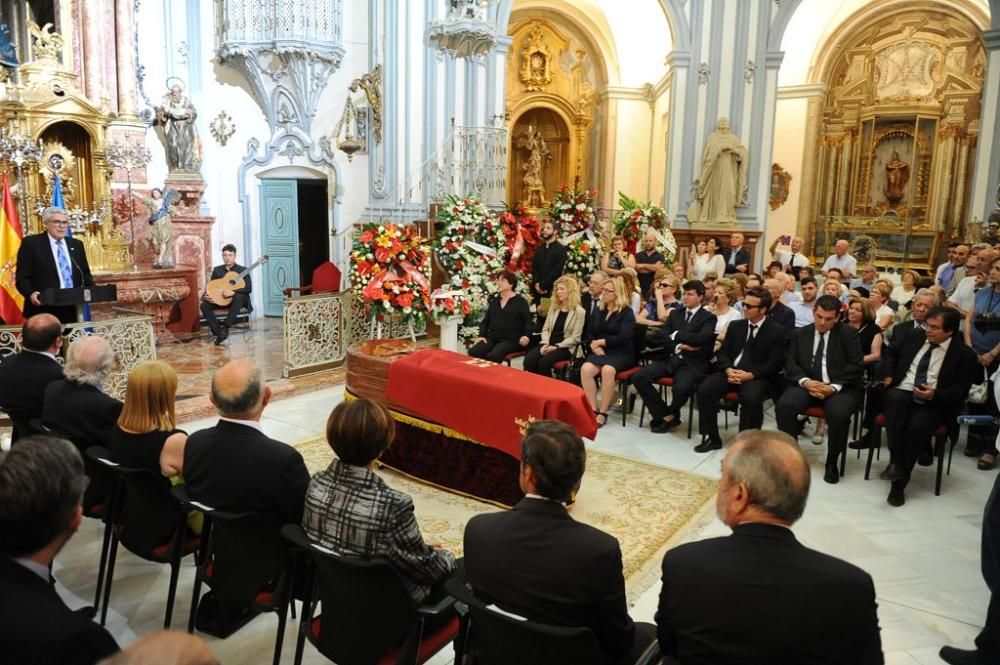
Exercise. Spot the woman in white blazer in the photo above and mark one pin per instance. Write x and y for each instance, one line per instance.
(562, 330)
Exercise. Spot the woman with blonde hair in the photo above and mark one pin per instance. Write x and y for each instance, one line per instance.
(879, 298)
(631, 279)
(562, 329)
(723, 301)
(146, 435)
(662, 300)
(610, 345)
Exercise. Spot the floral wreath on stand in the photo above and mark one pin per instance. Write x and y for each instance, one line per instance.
(572, 212)
(520, 229)
(633, 219)
(388, 272)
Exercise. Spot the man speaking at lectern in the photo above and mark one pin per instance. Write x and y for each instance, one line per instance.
(50, 260)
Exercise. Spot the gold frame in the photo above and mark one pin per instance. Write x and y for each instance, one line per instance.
(777, 199)
(883, 230)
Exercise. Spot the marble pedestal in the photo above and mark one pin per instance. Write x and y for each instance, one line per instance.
(170, 296)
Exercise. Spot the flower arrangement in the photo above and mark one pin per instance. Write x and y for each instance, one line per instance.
(446, 303)
(572, 210)
(464, 221)
(634, 218)
(520, 229)
(388, 265)
(583, 257)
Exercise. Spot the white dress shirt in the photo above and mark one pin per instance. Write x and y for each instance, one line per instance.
(937, 358)
(785, 257)
(826, 354)
(847, 264)
(249, 423)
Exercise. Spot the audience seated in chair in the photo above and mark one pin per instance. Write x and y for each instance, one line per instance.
(689, 337)
(824, 366)
(927, 381)
(536, 561)
(758, 596)
(562, 329)
(610, 347)
(25, 375)
(749, 363)
(506, 328)
(351, 510)
(41, 486)
(77, 407)
(164, 647)
(234, 466)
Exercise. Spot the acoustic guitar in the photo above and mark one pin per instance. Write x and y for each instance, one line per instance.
(231, 281)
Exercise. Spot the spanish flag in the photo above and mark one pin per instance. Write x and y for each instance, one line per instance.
(11, 302)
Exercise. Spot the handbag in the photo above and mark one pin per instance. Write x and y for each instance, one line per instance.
(977, 393)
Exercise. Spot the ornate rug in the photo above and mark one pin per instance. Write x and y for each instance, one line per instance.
(648, 508)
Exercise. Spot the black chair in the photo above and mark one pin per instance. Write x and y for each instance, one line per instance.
(151, 524)
(496, 638)
(101, 458)
(243, 559)
(102, 480)
(368, 615)
(940, 436)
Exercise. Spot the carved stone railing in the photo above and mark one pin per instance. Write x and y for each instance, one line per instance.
(318, 329)
(132, 341)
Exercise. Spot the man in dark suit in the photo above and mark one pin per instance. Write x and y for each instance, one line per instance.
(548, 262)
(50, 260)
(923, 301)
(235, 466)
(749, 361)
(41, 482)
(759, 597)
(25, 375)
(824, 365)
(737, 257)
(76, 406)
(590, 299)
(689, 337)
(538, 562)
(927, 381)
(779, 312)
(240, 297)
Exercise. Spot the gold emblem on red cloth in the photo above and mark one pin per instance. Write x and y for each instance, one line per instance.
(523, 424)
(479, 362)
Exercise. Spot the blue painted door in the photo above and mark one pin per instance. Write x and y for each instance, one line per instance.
(280, 240)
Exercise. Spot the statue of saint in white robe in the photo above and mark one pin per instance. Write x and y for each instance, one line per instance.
(722, 183)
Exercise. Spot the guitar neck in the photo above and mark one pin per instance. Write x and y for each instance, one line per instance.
(246, 271)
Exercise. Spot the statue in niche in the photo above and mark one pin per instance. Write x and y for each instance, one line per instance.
(536, 62)
(539, 156)
(722, 184)
(897, 174)
(175, 118)
(162, 206)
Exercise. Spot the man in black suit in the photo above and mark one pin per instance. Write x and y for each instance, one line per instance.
(824, 364)
(737, 257)
(240, 297)
(234, 466)
(927, 381)
(759, 597)
(25, 375)
(76, 406)
(689, 338)
(41, 482)
(538, 562)
(779, 312)
(548, 262)
(50, 260)
(749, 361)
(923, 301)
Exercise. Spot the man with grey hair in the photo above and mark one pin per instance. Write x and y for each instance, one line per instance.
(759, 596)
(235, 466)
(77, 406)
(41, 484)
(922, 302)
(50, 260)
(841, 260)
(590, 299)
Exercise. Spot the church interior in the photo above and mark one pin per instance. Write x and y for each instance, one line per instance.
(169, 130)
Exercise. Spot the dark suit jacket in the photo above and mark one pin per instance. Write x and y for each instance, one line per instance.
(742, 257)
(767, 357)
(759, 597)
(700, 332)
(237, 468)
(220, 271)
(783, 315)
(618, 329)
(23, 379)
(958, 371)
(37, 271)
(844, 358)
(81, 412)
(39, 629)
(537, 561)
(586, 300)
(547, 265)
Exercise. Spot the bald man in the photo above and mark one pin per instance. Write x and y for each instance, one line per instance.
(24, 376)
(841, 260)
(792, 260)
(759, 596)
(164, 647)
(234, 466)
(737, 257)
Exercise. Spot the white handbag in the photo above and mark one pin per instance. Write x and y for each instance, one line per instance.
(977, 393)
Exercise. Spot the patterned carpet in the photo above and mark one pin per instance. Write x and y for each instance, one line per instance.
(648, 508)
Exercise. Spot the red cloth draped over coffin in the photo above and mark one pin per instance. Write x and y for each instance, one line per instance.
(460, 420)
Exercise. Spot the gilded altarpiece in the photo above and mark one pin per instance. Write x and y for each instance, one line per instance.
(899, 132)
(553, 78)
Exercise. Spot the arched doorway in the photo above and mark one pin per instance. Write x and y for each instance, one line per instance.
(540, 160)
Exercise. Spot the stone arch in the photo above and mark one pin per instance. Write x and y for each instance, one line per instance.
(780, 23)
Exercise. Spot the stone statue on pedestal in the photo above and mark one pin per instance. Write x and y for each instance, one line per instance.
(175, 118)
(539, 156)
(722, 184)
(162, 206)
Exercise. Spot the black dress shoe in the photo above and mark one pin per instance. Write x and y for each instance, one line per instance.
(960, 656)
(926, 458)
(896, 496)
(219, 339)
(864, 443)
(832, 474)
(708, 445)
(87, 611)
(665, 426)
(891, 472)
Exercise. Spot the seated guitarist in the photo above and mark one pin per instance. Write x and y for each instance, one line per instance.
(241, 297)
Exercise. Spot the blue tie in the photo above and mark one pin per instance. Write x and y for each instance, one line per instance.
(65, 271)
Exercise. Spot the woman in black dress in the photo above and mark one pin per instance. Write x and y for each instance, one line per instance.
(507, 325)
(562, 330)
(610, 346)
(861, 317)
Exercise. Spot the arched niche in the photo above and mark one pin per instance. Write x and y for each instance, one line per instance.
(558, 162)
(67, 147)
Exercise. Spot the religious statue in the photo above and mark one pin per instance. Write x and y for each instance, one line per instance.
(897, 174)
(162, 206)
(583, 91)
(175, 118)
(722, 184)
(534, 169)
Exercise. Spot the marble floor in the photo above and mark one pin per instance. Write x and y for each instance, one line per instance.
(923, 556)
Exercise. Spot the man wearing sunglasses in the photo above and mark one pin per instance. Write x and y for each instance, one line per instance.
(50, 260)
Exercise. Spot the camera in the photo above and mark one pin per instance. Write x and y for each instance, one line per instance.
(987, 321)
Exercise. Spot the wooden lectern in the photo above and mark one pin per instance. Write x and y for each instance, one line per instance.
(78, 297)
